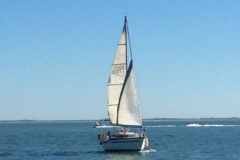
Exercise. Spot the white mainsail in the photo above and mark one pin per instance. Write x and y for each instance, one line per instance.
(128, 109)
(117, 76)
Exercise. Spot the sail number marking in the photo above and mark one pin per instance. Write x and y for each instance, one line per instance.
(118, 69)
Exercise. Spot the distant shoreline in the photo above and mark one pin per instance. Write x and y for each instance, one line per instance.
(146, 119)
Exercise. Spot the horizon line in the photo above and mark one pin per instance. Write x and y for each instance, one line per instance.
(102, 118)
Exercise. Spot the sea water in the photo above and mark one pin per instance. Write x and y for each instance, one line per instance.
(168, 139)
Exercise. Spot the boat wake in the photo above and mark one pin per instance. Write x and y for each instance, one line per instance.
(160, 126)
(106, 126)
(209, 125)
(148, 150)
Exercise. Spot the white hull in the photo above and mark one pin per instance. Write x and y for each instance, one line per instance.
(124, 144)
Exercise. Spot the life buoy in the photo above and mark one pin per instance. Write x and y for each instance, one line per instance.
(101, 136)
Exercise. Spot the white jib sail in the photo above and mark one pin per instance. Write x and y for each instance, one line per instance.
(129, 110)
(117, 76)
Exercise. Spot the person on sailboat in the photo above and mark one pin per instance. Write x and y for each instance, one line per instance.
(108, 133)
(125, 130)
(107, 136)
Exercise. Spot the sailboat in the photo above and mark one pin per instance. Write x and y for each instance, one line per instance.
(123, 104)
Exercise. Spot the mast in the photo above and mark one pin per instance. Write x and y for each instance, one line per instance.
(126, 35)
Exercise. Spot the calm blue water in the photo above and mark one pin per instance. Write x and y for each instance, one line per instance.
(217, 139)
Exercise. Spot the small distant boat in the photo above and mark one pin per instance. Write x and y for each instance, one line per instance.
(96, 125)
(192, 124)
(123, 104)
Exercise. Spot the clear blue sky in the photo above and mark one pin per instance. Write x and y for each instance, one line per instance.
(55, 57)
